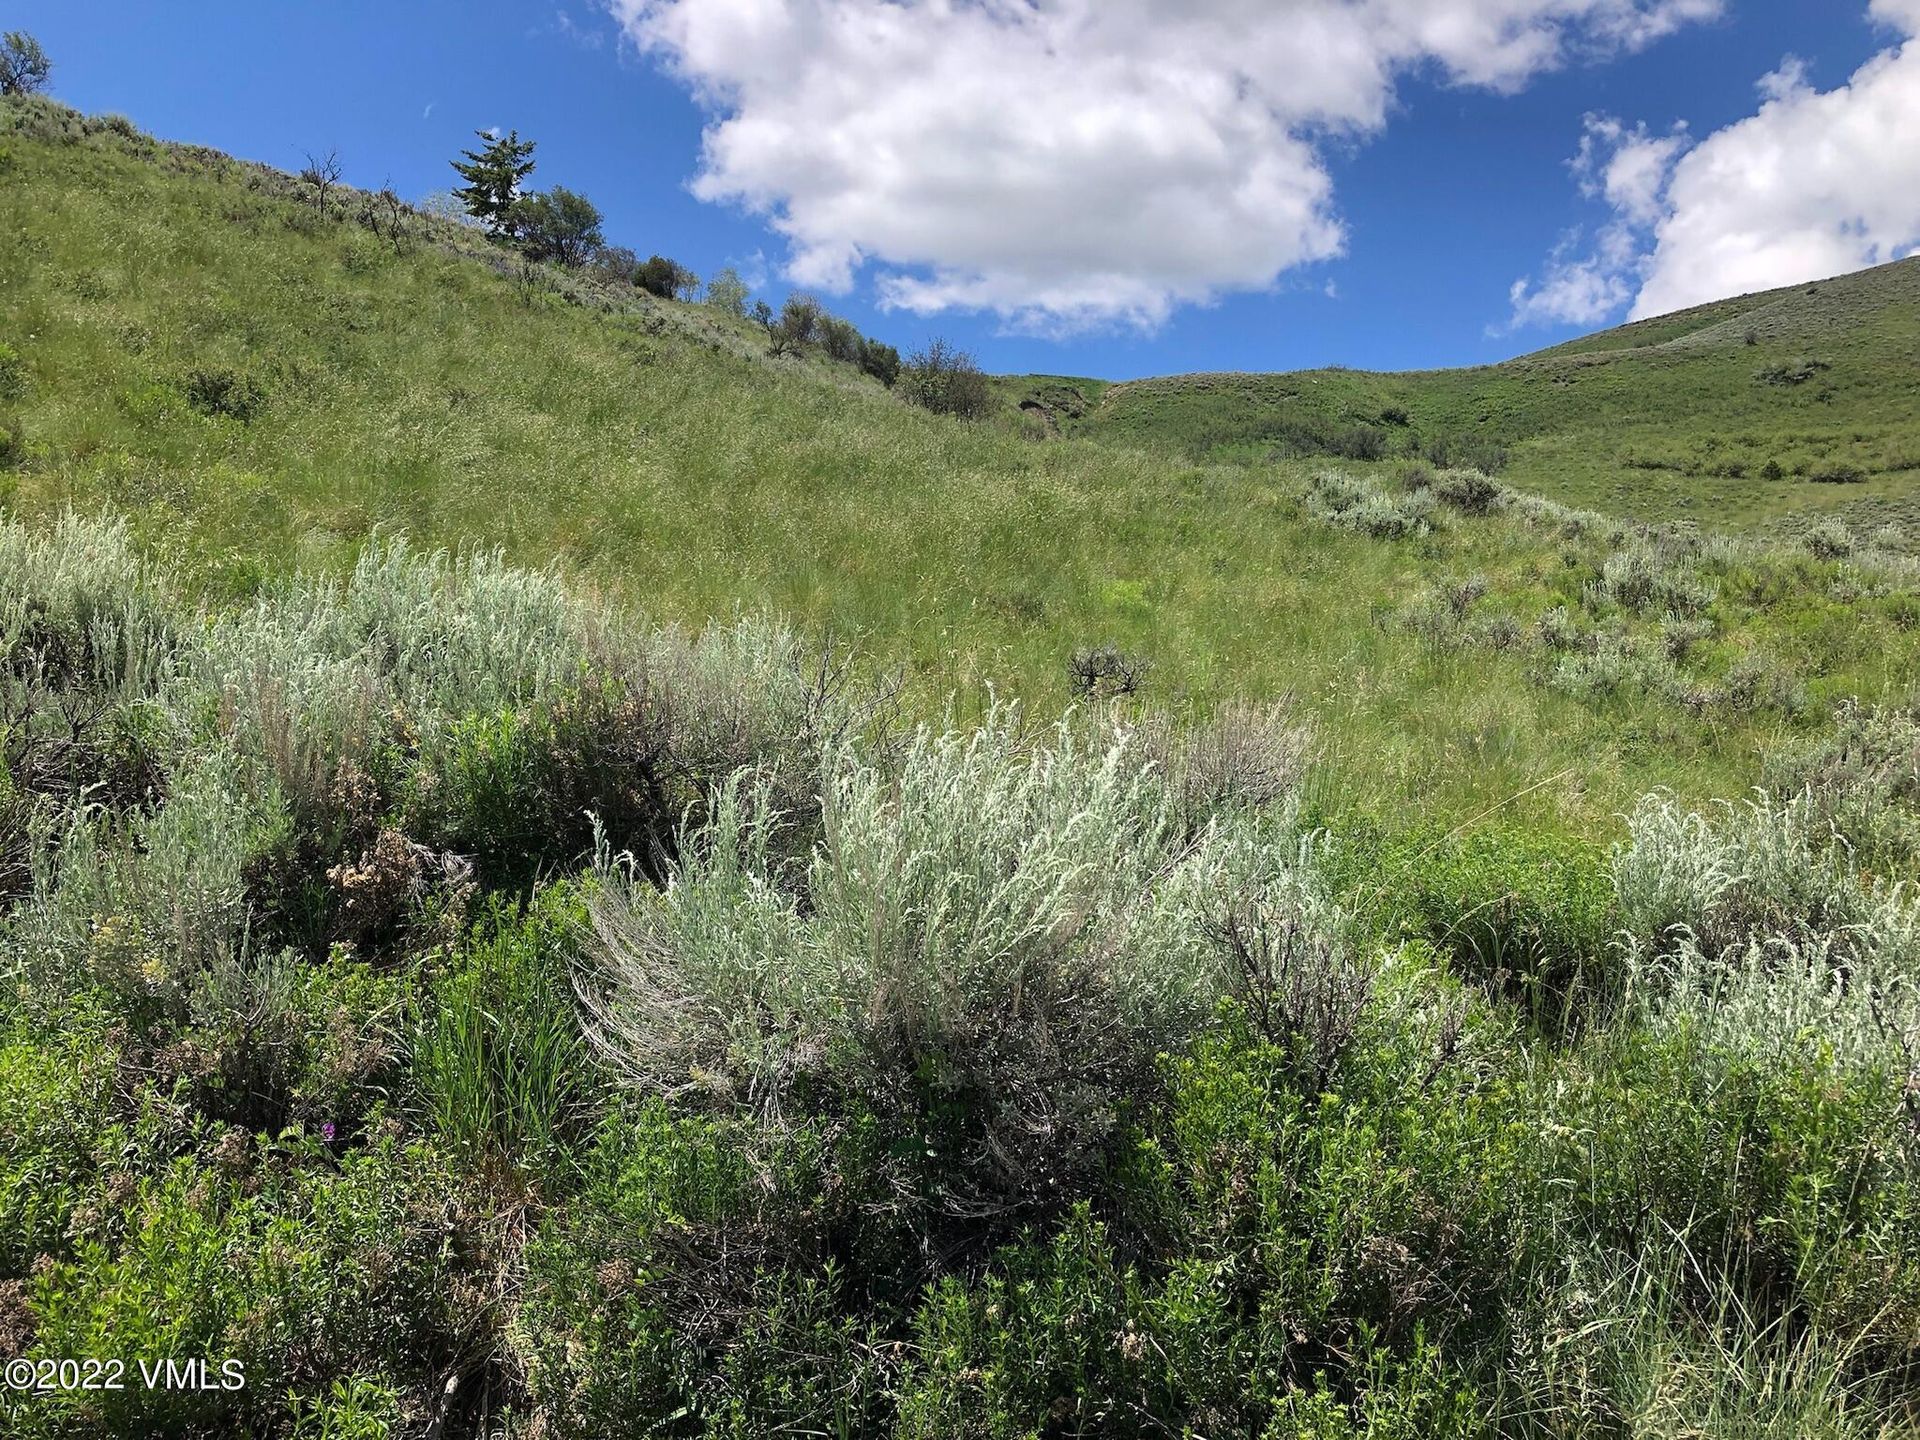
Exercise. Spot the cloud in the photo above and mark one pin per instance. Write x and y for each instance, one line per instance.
(1066, 163)
(1573, 290)
(567, 28)
(1815, 183)
(1629, 170)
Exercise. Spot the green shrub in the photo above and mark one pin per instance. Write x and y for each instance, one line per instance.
(1791, 372)
(56, 1134)
(690, 1281)
(356, 1408)
(499, 1062)
(839, 339)
(13, 372)
(668, 279)
(301, 1278)
(1837, 472)
(1469, 491)
(880, 361)
(1466, 452)
(945, 380)
(221, 392)
(1530, 916)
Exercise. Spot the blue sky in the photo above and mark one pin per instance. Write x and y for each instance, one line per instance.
(1431, 211)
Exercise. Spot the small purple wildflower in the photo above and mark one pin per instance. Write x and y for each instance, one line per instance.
(326, 1132)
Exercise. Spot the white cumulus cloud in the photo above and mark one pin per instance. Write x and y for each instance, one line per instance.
(1077, 162)
(1629, 169)
(1815, 183)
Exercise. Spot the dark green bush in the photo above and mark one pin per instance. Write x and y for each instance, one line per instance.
(1469, 491)
(1466, 452)
(13, 372)
(1837, 472)
(690, 1242)
(215, 392)
(522, 791)
(880, 361)
(1529, 915)
(1790, 1176)
(304, 1277)
(1790, 372)
(946, 380)
(839, 339)
(499, 1064)
(56, 1136)
(558, 225)
(668, 279)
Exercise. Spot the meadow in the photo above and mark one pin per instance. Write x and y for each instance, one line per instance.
(656, 453)
(563, 876)
(1766, 414)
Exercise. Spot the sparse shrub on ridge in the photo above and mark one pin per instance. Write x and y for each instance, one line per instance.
(727, 292)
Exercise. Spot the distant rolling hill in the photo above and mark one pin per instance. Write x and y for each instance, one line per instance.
(1752, 413)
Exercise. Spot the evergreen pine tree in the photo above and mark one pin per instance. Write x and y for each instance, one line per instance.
(493, 174)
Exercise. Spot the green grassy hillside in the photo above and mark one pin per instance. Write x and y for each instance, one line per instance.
(459, 997)
(256, 387)
(1765, 412)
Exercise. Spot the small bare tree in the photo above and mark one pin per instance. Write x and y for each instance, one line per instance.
(1099, 672)
(388, 216)
(322, 178)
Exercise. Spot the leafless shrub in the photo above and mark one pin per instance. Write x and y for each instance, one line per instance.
(320, 179)
(395, 884)
(1303, 990)
(384, 213)
(1102, 671)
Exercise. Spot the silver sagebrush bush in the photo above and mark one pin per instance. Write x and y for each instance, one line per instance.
(997, 926)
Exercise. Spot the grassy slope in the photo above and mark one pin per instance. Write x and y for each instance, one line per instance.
(1663, 419)
(653, 452)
